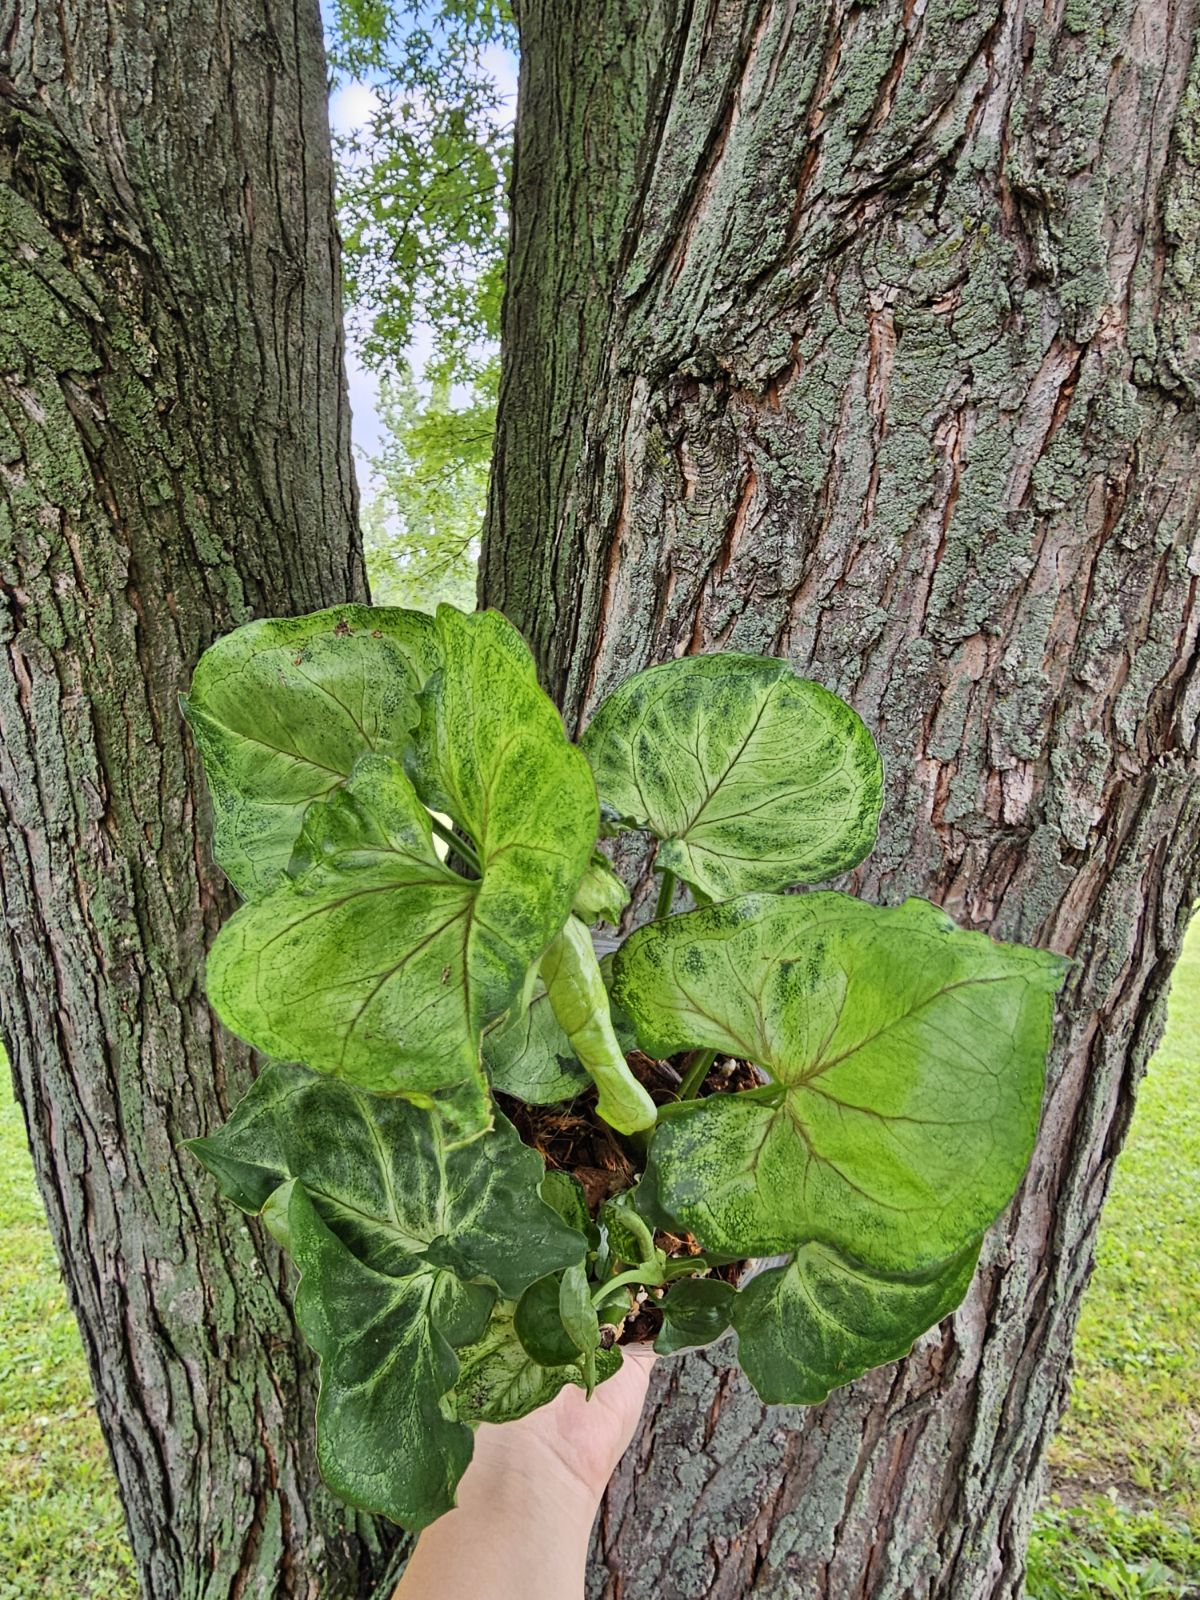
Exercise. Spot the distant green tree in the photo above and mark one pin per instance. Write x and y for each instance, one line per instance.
(422, 188)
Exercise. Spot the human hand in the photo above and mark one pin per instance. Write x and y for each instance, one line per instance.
(527, 1502)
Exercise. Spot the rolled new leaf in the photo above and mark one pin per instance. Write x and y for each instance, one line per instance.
(579, 1001)
(907, 1059)
(282, 709)
(751, 777)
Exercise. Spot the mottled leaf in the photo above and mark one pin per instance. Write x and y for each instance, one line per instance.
(499, 1380)
(907, 1056)
(752, 777)
(384, 1178)
(532, 1057)
(282, 709)
(384, 1439)
(492, 755)
(823, 1320)
(601, 896)
(695, 1312)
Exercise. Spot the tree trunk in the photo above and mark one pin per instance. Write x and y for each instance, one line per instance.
(174, 459)
(865, 335)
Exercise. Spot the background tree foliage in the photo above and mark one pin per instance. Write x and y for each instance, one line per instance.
(422, 188)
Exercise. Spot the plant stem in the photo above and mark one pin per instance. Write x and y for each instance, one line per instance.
(666, 894)
(643, 1274)
(461, 847)
(694, 1078)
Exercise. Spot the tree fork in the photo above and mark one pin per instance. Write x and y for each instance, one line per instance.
(174, 459)
(865, 336)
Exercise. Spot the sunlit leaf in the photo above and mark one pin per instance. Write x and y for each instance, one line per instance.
(284, 707)
(752, 777)
(907, 1059)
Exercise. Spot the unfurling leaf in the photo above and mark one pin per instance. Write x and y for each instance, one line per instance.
(601, 896)
(282, 709)
(824, 1319)
(384, 1178)
(579, 1001)
(752, 777)
(907, 1059)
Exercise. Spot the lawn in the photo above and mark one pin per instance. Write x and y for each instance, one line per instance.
(1123, 1518)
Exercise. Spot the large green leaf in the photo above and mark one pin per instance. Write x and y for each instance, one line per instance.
(282, 709)
(752, 777)
(823, 1320)
(374, 964)
(385, 1440)
(384, 1178)
(907, 1059)
(492, 754)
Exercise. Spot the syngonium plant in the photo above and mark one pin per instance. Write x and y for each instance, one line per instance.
(850, 1091)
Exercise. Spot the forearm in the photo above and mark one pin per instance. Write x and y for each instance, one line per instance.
(508, 1538)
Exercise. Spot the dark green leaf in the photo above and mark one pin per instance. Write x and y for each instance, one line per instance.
(282, 709)
(908, 1057)
(383, 1176)
(752, 777)
(384, 1441)
(824, 1319)
(695, 1312)
(539, 1326)
(499, 1381)
(565, 1194)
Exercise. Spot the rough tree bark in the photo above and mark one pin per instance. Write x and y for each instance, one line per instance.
(866, 335)
(174, 458)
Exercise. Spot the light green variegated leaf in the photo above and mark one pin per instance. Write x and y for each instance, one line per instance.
(823, 1320)
(374, 964)
(500, 1381)
(282, 709)
(532, 1057)
(492, 755)
(385, 1440)
(384, 1178)
(907, 1055)
(695, 1312)
(752, 777)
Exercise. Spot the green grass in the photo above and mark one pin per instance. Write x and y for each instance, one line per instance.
(61, 1532)
(1123, 1518)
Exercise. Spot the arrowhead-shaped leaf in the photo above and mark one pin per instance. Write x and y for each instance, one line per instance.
(385, 1440)
(383, 1178)
(375, 963)
(907, 1059)
(824, 1320)
(282, 709)
(752, 777)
